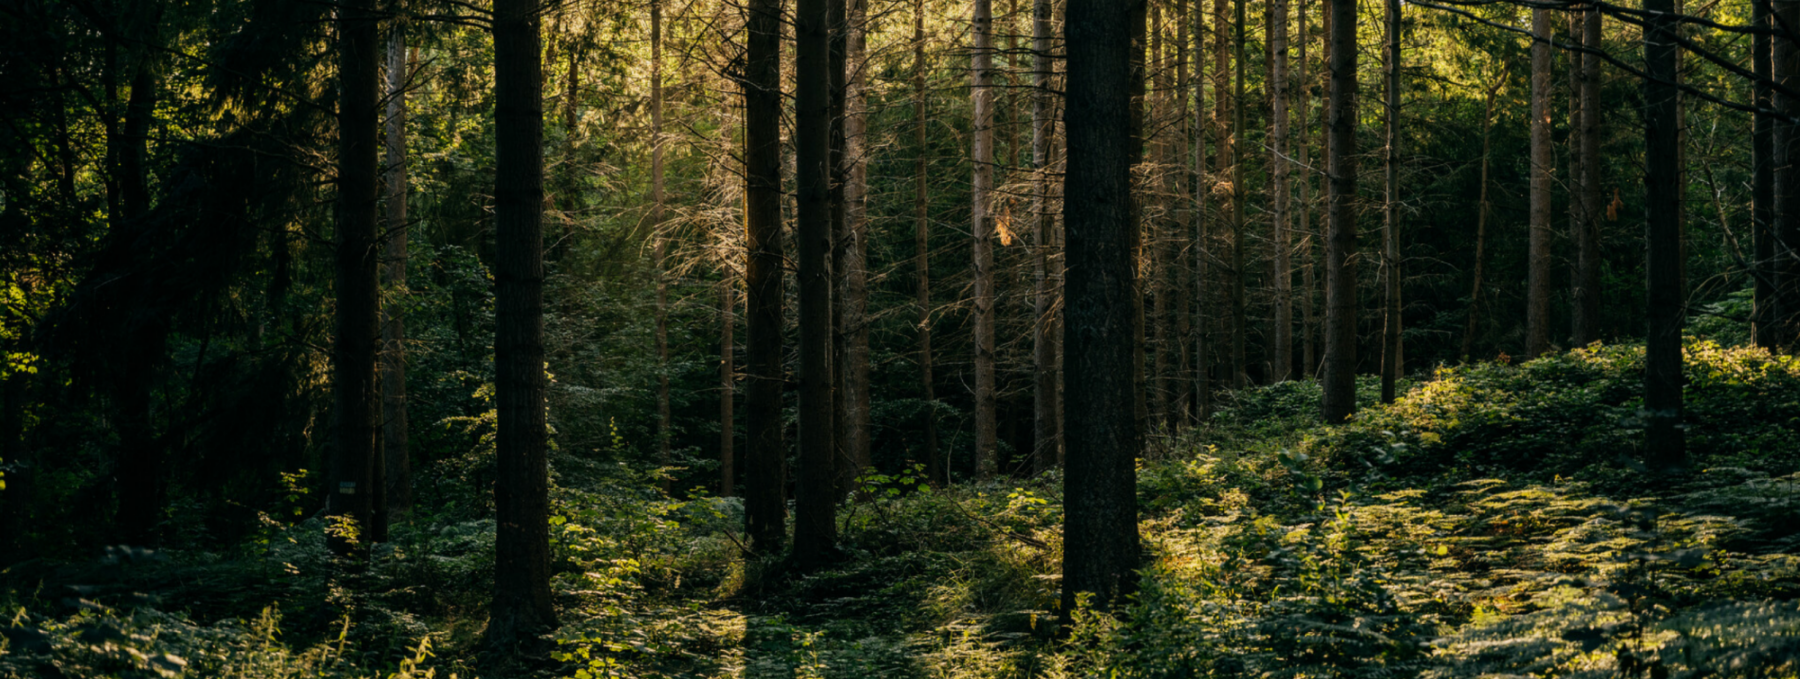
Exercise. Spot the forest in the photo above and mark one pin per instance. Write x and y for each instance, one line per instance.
(407, 339)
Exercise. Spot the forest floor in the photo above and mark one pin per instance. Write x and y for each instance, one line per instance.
(1492, 521)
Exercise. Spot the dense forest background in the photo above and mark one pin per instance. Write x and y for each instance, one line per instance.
(176, 287)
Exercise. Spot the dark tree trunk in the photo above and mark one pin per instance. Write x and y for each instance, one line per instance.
(982, 227)
(765, 461)
(352, 481)
(1043, 342)
(139, 473)
(1390, 217)
(727, 384)
(1339, 369)
(815, 525)
(1309, 352)
(398, 463)
(659, 243)
(935, 468)
(1762, 217)
(1587, 226)
(1282, 362)
(1239, 319)
(1481, 217)
(1537, 296)
(852, 295)
(521, 605)
(1203, 188)
(1100, 529)
(1664, 439)
(1784, 68)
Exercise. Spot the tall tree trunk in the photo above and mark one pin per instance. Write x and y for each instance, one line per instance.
(1339, 400)
(1390, 218)
(982, 227)
(1664, 439)
(727, 384)
(352, 485)
(1784, 68)
(1282, 364)
(1203, 185)
(765, 460)
(815, 525)
(1156, 259)
(1043, 348)
(139, 472)
(1135, 147)
(1762, 149)
(935, 468)
(1537, 296)
(1182, 260)
(1100, 528)
(398, 467)
(659, 244)
(521, 604)
(1309, 355)
(850, 265)
(1481, 217)
(1587, 228)
(1239, 321)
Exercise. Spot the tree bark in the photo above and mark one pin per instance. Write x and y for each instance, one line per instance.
(1339, 401)
(982, 157)
(1585, 173)
(398, 467)
(815, 525)
(521, 604)
(1182, 260)
(1309, 354)
(1665, 449)
(1537, 296)
(851, 258)
(765, 460)
(1239, 320)
(1156, 258)
(1481, 217)
(1762, 216)
(1390, 218)
(727, 384)
(1100, 529)
(1282, 365)
(352, 481)
(1043, 342)
(1784, 67)
(658, 244)
(935, 468)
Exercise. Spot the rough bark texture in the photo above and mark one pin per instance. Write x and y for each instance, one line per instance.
(1043, 342)
(1239, 320)
(765, 460)
(352, 489)
(1282, 363)
(1762, 217)
(1182, 262)
(1100, 532)
(1543, 169)
(1309, 351)
(982, 227)
(1664, 436)
(1390, 218)
(935, 468)
(1339, 370)
(1481, 215)
(1587, 207)
(398, 467)
(1156, 258)
(659, 244)
(815, 495)
(1784, 62)
(850, 264)
(521, 605)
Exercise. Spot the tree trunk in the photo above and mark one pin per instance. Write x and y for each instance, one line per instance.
(1587, 235)
(1043, 348)
(1664, 438)
(981, 88)
(1339, 401)
(1239, 321)
(1537, 297)
(935, 468)
(1140, 390)
(139, 473)
(1762, 216)
(1390, 218)
(727, 384)
(398, 467)
(1784, 68)
(852, 279)
(1156, 258)
(1100, 529)
(352, 481)
(658, 244)
(815, 525)
(1308, 323)
(1182, 260)
(522, 604)
(1203, 186)
(1282, 365)
(1481, 217)
(765, 461)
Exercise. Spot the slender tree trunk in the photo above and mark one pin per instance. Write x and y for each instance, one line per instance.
(727, 384)
(352, 484)
(1239, 320)
(765, 461)
(1203, 184)
(398, 476)
(852, 279)
(1156, 260)
(1043, 349)
(1390, 218)
(982, 227)
(1587, 234)
(139, 473)
(815, 525)
(935, 468)
(1664, 438)
(1278, 189)
(1784, 63)
(1135, 140)
(1100, 528)
(1481, 217)
(521, 604)
(1309, 355)
(1182, 260)
(1762, 147)
(659, 244)
(1537, 296)
(1339, 401)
